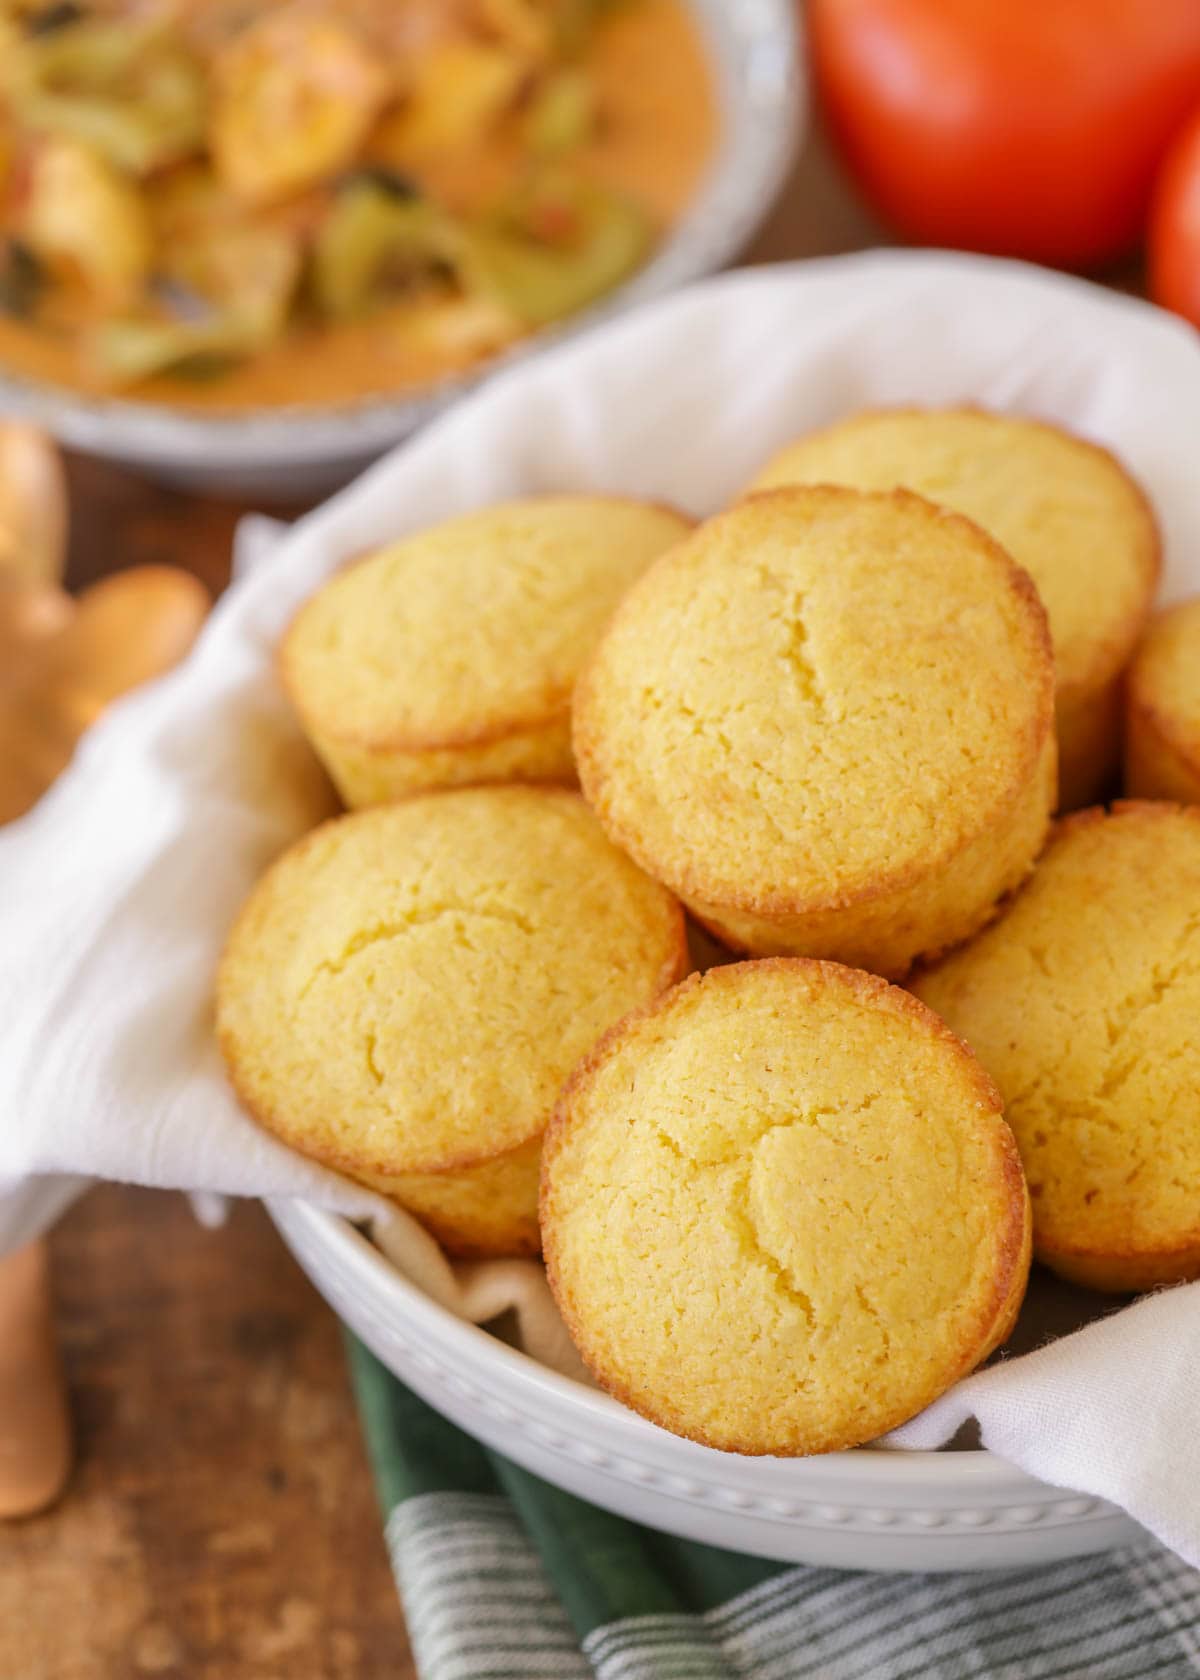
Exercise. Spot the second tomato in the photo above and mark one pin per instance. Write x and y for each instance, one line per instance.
(1175, 228)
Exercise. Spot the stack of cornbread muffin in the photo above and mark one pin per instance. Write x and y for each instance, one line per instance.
(786, 1202)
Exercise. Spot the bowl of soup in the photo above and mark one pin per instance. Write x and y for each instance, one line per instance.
(248, 244)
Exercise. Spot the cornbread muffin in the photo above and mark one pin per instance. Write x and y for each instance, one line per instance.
(781, 1209)
(1162, 709)
(826, 722)
(450, 657)
(1064, 509)
(407, 988)
(1083, 1002)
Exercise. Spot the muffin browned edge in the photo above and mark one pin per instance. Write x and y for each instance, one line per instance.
(1115, 652)
(466, 1239)
(553, 709)
(1004, 1302)
(776, 902)
(675, 964)
(1143, 713)
(1129, 1269)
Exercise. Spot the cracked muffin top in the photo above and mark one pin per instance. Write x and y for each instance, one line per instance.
(819, 698)
(1064, 508)
(407, 988)
(781, 1210)
(1083, 1002)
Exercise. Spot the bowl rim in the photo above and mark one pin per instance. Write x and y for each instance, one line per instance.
(757, 52)
(869, 1470)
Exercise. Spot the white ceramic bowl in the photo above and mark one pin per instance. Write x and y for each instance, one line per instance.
(682, 402)
(869, 1509)
(303, 451)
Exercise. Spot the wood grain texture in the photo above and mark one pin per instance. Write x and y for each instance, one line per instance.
(221, 1521)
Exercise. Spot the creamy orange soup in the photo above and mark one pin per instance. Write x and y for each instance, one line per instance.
(652, 133)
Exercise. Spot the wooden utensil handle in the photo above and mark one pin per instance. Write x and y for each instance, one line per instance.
(35, 1437)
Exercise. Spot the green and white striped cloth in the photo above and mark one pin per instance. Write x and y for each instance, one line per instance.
(503, 1577)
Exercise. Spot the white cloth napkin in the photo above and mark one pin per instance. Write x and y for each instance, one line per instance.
(117, 891)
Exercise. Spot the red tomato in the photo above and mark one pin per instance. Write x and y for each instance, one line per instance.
(1028, 128)
(1175, 227)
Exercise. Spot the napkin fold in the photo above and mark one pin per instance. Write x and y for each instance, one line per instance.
(116, 892)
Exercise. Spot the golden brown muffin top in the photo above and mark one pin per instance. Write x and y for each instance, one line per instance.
(408, 987)
(781, 1210)
(818, 694)
(1064, 509)
(1083, 1002)
(473, 629)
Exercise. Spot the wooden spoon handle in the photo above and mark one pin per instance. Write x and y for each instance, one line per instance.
(35, 1434)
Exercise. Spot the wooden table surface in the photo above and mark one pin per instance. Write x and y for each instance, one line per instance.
(221, 1524)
